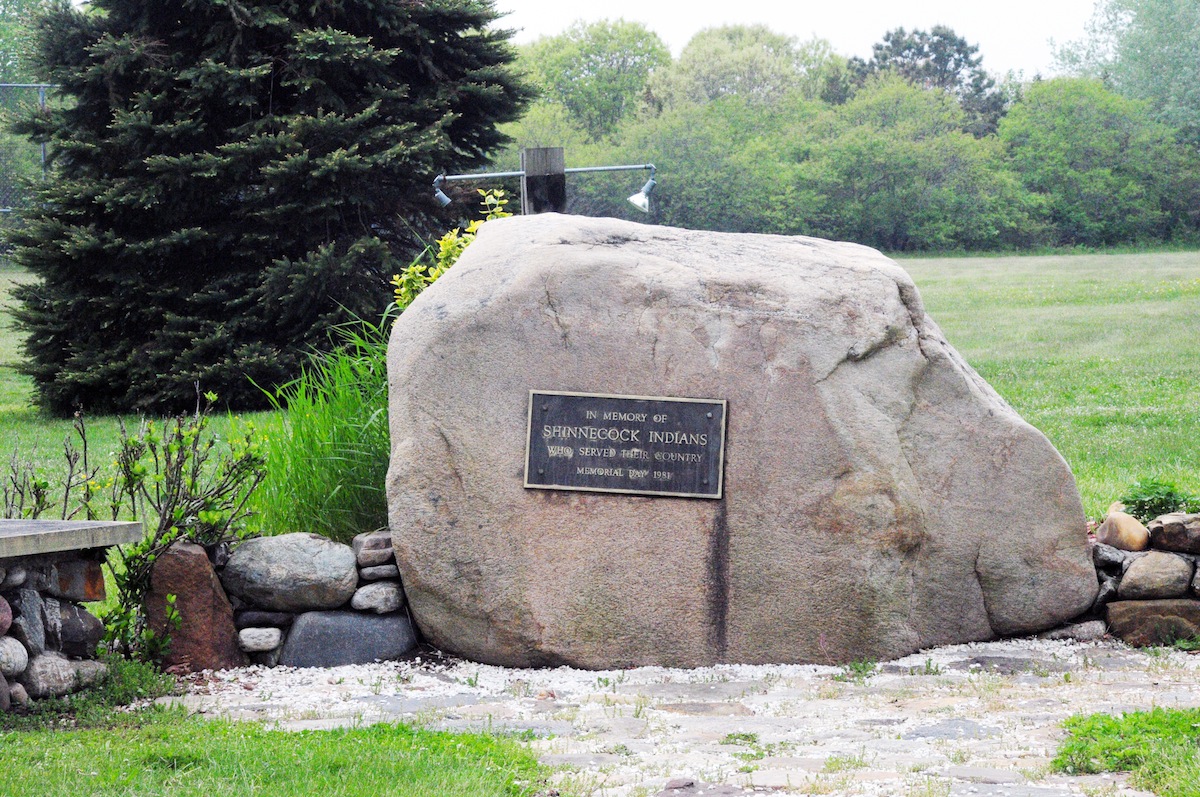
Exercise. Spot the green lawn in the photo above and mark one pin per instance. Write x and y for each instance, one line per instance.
(40, 438)
(186, 756)
(1100, 352)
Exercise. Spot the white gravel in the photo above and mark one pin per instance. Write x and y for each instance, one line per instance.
(979, 719)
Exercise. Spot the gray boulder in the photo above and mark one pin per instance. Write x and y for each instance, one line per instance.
(29, 622)
(13, 577)
(332, 639)
(260, 640)
(70, 629)
(253, 618)
(1156, 575)
(381, 597)
(292, 573)
(53, 675)
(865, 460)
(378, 572)
(13, 657)
(1108, 558)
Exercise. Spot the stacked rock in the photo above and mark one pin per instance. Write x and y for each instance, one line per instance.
(377, 572)
(291, 593)
(48, 641)
(1149, 586)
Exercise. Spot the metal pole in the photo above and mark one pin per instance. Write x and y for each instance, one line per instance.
(42, 105)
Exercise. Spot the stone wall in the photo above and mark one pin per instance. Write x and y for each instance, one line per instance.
(1149, 588)
(298, 600)
(48, 640)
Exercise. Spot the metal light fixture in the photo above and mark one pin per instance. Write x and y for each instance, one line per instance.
(438, 194)
(641, 200)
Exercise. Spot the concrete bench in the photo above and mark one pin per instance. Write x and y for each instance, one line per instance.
(20, 538)
(48, 570)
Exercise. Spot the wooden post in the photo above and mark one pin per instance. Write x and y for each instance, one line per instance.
(544, 186)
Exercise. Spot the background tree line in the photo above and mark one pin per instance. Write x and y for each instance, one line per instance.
(232, 180)
(916, 148)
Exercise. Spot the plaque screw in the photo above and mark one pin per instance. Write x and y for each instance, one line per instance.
(704, 481)
(545, 407)
(541, 471)
(710, 415)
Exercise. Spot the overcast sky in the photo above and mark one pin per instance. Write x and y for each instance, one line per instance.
(1011, 35)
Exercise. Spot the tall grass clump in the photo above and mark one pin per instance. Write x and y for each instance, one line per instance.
(328, 459)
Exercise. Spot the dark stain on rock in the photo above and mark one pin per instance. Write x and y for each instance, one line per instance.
(718, 584)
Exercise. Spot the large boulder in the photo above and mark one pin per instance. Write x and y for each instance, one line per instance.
(879, 496)
(292, 573)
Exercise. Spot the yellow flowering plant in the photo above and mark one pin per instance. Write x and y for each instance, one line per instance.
(421, 273)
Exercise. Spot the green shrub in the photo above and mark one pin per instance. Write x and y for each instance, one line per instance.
(329, 460)
(1149, 498)
(183, 484)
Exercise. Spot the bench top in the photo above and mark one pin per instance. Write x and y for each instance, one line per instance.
(33, 537)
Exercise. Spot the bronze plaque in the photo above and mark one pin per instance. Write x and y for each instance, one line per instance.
(641, 445)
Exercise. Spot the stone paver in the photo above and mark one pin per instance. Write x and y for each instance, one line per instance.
(977, 720)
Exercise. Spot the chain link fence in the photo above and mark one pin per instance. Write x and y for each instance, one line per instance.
(21, 161)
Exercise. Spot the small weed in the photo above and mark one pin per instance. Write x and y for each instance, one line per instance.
(829, 691)
(740, 737)
(959, 756)
(1149, 498)
(928, 786)
(822, 784)
(1187, 645)
(845, 763)
(856, 671)
(1107, 790)
(929, 668)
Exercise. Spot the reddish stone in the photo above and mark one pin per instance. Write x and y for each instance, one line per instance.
(5, 617)
(1150, 623)
(1177, 531)
(206, 638)
(78, 580)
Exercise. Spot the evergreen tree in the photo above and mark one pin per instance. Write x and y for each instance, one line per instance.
(236, 176)
(940, 59)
